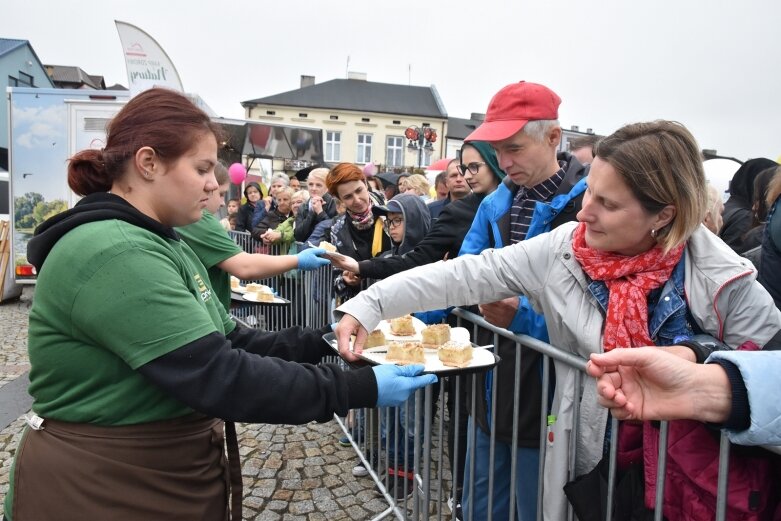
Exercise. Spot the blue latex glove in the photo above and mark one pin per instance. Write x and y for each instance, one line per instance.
(395, 383)
(310, 259)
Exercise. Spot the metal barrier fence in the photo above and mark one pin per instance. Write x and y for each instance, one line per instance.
(416, 454)
(308, 293)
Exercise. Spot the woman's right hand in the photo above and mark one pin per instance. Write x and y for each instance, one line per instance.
(395, 383)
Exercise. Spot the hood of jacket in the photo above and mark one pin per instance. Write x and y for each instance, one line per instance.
(95, 207)
(741, 186)
(417, 220)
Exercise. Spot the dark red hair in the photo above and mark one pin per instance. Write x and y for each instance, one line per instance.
(159, 118)
(342, 173)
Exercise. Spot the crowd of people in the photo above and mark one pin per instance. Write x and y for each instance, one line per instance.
(617, 251)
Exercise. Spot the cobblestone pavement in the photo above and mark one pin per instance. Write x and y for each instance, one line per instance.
(291, 473)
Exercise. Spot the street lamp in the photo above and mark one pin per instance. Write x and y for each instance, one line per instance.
(420, 139)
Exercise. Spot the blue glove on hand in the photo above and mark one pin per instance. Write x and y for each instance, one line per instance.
(310, 259)
(395, 383)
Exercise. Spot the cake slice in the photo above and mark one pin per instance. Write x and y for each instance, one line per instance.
(327, 246)
(455, 353)
(405, 353)
(436, 335)
(262, 294)
(402, 326)
(376, 338)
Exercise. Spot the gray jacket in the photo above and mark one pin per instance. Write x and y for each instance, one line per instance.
(723, 296)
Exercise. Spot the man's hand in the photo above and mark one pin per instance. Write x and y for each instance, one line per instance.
(648, 383)
(345, 263)
(347, 327)
(350, 278)
(500, 313)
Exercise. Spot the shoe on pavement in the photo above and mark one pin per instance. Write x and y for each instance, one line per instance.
(344, 441)
(450, 502)
(360, 471)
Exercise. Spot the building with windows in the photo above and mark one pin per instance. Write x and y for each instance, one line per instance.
(362, 121)
(19, 67)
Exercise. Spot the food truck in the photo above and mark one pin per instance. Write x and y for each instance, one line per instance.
(47, 126)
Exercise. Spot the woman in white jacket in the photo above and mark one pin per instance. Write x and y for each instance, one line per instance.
(638, 269)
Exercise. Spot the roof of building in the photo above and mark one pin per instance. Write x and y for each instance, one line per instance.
(361, 96)
(8, 44)
(73, 75)
(459, 128)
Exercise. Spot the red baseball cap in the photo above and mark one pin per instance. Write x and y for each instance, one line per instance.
(514, 106)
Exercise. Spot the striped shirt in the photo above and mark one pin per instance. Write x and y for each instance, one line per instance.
(524, 201)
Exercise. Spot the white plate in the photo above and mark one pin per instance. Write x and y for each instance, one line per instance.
(480, 358)
(240, 289)
(277, 300)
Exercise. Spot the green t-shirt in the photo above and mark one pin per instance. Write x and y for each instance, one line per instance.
(110, 298)
(212, 245)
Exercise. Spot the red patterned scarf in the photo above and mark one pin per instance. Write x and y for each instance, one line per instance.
(629, 280)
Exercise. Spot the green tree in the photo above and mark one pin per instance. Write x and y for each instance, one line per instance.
(43, 210)
(24, 205)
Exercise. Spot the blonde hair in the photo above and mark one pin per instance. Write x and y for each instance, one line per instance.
(418, 184)
(319, 173)
(662, 165)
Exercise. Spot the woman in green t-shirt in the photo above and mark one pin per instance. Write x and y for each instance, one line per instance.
(134, 363)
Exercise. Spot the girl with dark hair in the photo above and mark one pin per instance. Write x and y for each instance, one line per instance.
(134, 361)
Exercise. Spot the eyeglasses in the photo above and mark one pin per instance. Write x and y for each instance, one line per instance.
(393, 223)
(472, 167)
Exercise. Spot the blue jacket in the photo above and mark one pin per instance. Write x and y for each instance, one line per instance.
(760, 371)
(490, 229)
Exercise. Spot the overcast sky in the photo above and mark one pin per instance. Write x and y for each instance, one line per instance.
(713, 65)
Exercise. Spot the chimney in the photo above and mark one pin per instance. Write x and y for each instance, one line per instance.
(477, 116)
(589, 131)
(575, 128)
(360, 76)
(307, 81)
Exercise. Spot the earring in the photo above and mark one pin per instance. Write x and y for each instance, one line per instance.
(147, 175)
(653, 233)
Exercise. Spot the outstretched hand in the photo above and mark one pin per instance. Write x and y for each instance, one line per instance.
(310, 259)
(649, 383)
(345, 329)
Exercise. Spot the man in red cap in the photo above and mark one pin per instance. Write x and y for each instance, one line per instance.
(542, 189)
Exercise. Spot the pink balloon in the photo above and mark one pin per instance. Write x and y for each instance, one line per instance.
(370, 169)
(237, 173)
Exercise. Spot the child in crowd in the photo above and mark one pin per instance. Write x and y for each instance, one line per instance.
(233, 210)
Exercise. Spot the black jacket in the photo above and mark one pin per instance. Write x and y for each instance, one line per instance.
(306, 219)
(271, 220)
(443, 240)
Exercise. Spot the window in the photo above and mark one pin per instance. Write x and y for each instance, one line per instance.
(395, 151)
(333, 146)
(397, 122)
(271, 112)
(303, 115)
(26, 80)
(334, 117)
(365, 120)
(364, 148)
